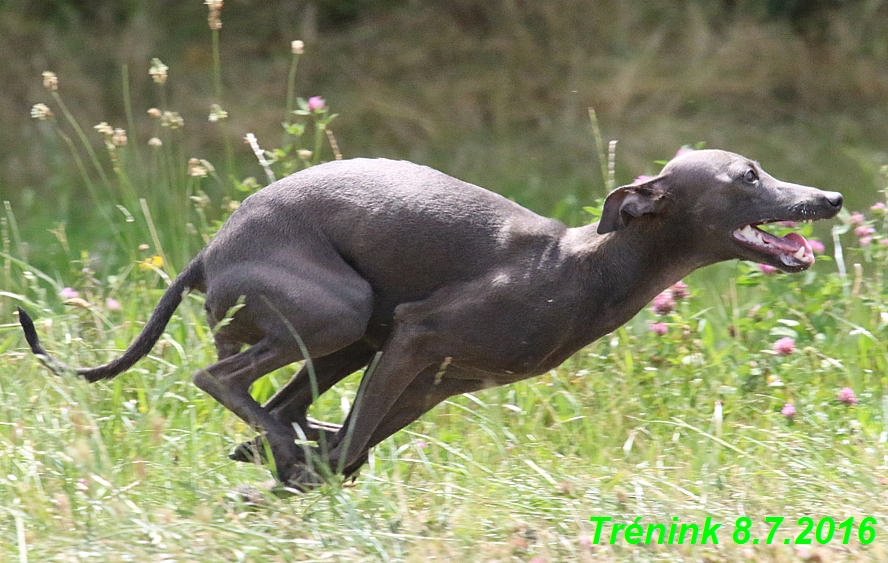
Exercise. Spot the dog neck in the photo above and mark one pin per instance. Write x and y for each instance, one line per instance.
(620, 272)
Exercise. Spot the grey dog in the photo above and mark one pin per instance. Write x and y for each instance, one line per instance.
(457, 287)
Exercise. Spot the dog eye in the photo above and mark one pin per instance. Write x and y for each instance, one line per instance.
(751, 177)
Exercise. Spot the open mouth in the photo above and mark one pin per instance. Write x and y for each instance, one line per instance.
(790, 253)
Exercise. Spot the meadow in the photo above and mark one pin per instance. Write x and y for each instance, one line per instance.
(744, 394)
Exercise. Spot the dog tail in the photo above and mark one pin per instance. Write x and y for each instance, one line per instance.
(191, 277)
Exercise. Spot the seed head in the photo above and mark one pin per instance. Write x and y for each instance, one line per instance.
(50, 81)
(118, 138)
(155, 142)
(214, 19)
(217, 114)
(104, 129)
(154, 113)
(41, 112)
(304, 154)
(172, 119)
(158, 71)
(297, 47)
(196, 169)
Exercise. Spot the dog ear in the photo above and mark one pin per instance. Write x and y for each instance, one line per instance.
(627, 202)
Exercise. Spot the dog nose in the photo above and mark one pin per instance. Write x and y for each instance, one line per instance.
(835, 199)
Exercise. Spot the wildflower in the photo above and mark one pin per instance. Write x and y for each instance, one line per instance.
(68, 293)
(214, 20)
(155, 142)
(304, 154)
(217, 114)
(682, 151)
(41, 112)
(642, 179)
(788, 411)
(816, 246)
(154, 113)
(767, 269)
(663, 303)
(847, 396)
(866, 241)
(172, 119)
(315, 103)
(785, 346)
(201, 200)
(679, 290)
(856, 218)
(118, 138)
(151, 263)
(879, 206)
(659, 328)
(297, 47)
(421, 444)
(112, 304)
(104, 128)
(196, 169)
(158, 71)
(50, 81)
(864, 231)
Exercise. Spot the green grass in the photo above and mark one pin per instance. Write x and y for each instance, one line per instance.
(685, 425)
(135, 469)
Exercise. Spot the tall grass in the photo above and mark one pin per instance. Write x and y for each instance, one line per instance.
(682, 412)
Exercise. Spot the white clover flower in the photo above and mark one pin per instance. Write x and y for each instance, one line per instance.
(41, 112)
(158, 71)
(50, 81)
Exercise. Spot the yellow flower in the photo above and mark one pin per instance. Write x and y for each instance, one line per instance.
(151, 263)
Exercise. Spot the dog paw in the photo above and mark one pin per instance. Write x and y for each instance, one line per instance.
(301, 480)
(251, 451)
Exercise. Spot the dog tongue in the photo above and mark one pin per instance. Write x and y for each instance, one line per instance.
(797, 241)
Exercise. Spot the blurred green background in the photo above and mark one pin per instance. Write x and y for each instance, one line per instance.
(494, 92)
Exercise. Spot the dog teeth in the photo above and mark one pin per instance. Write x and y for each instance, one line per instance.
(800, 253)
(749, 234)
